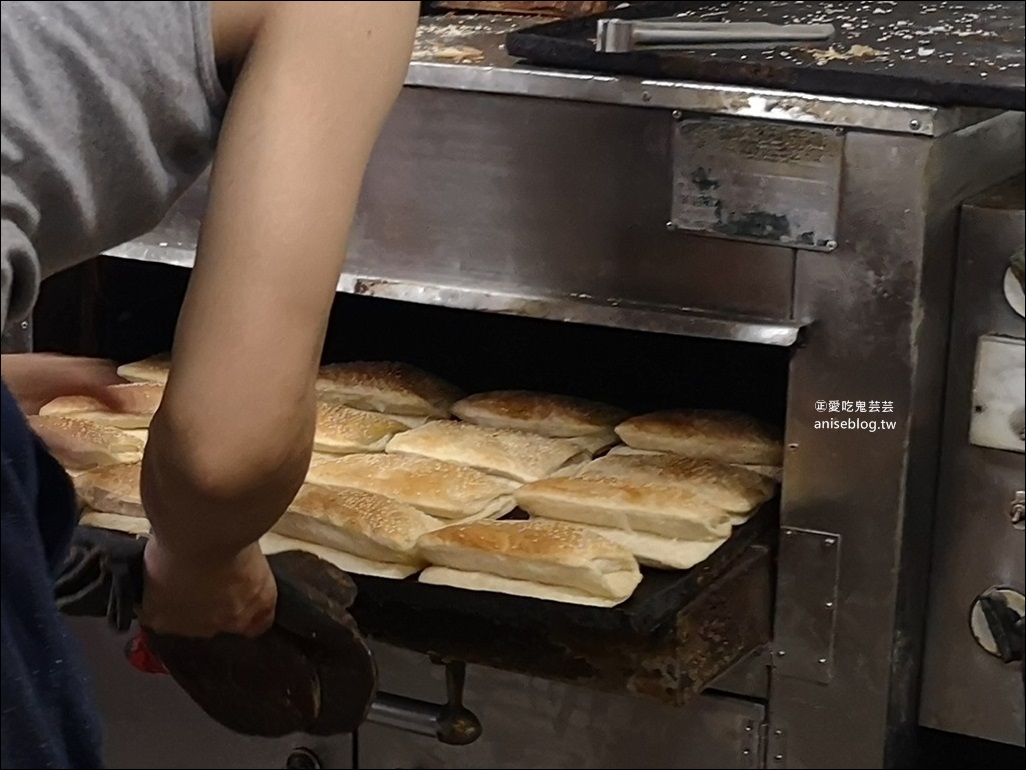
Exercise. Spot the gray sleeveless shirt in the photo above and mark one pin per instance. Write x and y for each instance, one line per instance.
(110, 111)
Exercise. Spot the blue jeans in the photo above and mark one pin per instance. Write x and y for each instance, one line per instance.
(48, 717)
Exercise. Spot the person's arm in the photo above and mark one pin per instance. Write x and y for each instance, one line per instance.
(36, 379)
(231, 442)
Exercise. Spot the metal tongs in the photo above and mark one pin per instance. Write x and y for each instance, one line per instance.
(626, 35)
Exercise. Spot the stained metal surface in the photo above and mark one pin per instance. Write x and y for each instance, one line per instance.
(537, 208)
(807, 583)
(881, 304)
(573, 308)
(977, 545)
(537, 723)
(947, 53)
(584, 310)
(757, 181)
(469, 54)
(748, 678)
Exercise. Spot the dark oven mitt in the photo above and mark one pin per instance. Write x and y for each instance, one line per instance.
(312, 672)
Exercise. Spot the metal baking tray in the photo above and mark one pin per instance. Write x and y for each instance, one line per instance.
(675, 635)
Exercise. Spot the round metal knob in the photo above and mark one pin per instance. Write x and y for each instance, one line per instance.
(1017, 422)
(1017, 510)
(1015, 292)
(302, 759)
(996, 622)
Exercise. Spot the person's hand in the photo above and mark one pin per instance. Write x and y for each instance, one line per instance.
(35, 379)
(195, 597)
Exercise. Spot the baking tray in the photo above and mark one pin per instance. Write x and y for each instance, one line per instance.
(676, 635)
(954, 54)
(670, 640)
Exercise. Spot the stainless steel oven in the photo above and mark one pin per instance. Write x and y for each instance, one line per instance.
(532, 226)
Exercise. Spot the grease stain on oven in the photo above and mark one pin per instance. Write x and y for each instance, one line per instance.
(756, 224)
(701, 180)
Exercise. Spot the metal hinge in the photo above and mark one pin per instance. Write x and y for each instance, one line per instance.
(776, 747)
(752, 743)
(807, 587)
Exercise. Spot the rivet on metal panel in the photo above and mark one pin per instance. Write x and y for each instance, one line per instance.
(646, 96)
(670, 226)
(809, 564)
(776, 748)
(18, 338)
(678, 115)
(792, 446)
(914, 124)
(831, 245)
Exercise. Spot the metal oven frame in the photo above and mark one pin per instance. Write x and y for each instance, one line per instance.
(978, 544)
(500, 188)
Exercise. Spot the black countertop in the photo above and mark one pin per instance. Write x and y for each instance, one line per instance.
(964, 54)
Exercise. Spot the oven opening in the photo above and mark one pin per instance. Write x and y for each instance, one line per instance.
(127, 311)
(684, 634)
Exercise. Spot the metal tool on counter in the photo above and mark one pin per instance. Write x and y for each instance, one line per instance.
(627, 35)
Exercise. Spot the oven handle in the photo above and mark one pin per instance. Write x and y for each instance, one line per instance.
(450, 722)
(103, 575)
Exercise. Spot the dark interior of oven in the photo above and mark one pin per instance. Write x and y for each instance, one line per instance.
(127, 310)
